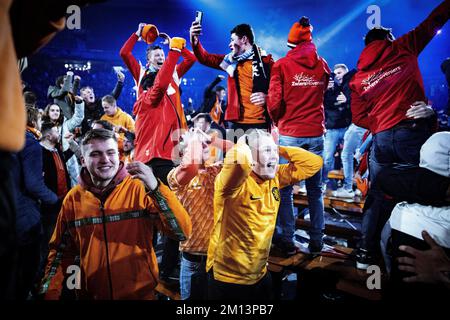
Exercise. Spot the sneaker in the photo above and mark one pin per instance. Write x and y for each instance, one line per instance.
(315, 247)
(285, 248)
(342, 193)
(358, 193)
(363, 259)
(302, 189)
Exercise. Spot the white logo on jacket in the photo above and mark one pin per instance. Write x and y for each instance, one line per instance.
(373, 79)
(302, 80)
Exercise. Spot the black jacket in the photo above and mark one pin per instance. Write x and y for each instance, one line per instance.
(209, 99)
(49, 167)
(94, 111)
(51, 178)
(338, 116)
(65, 97)
(416, 185)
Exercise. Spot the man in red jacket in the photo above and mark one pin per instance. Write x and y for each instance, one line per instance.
(159, 114)
(387, 99)
(248, 69)
(295, 104)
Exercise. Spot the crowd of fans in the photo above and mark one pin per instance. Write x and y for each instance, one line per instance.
(98, 176)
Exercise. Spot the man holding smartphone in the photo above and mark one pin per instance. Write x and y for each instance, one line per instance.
(248, 69)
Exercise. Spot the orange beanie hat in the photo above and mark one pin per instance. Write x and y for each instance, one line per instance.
(300, 31)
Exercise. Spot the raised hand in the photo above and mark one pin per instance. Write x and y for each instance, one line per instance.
(177, 43)
(139, 30)
(195, 31)
(120, 76)
(140, 171)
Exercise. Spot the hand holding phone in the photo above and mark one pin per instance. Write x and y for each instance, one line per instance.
(198, 16)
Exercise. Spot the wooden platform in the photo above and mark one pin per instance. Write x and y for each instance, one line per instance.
(351, 280)
(354, 205)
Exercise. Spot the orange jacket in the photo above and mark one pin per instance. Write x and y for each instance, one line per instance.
(118, 231)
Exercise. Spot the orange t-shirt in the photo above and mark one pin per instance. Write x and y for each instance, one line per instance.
(251, 112)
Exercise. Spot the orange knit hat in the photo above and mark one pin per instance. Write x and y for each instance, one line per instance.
(300, 31)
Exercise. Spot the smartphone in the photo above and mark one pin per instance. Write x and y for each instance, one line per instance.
(198, 16)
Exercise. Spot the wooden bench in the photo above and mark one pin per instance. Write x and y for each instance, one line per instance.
(354, 205)
(350, 279)
(336, 205)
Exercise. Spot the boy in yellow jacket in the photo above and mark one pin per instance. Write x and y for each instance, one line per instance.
(246, 202)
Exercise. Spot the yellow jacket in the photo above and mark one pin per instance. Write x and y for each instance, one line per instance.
(120, 118)
(245, 212)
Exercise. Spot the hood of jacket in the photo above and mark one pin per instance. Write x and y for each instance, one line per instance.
(376, 51)
(305, 53)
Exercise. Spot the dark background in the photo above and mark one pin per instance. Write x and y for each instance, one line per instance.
(339, 27)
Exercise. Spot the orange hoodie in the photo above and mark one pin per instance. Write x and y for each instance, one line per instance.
(112, 238)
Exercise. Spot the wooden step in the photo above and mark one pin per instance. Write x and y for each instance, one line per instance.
(331, 230)
(336, 174)
(351, 280)
(352, 205)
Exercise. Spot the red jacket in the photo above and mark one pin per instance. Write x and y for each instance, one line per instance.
(158, 111)
(137, 70)
(297, 86)
(388, 80)
(233, 111)
(159, 116)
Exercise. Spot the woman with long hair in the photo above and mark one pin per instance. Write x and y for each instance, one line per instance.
(53, 113)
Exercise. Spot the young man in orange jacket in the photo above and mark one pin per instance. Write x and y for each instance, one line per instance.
(107, 222)
(248, 69)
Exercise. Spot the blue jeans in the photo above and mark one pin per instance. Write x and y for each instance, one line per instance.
(190, 274)
(332, 138)
(352, 140)
(285, 227)
(398, 147)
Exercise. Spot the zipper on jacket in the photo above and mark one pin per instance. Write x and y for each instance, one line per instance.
(108, 267)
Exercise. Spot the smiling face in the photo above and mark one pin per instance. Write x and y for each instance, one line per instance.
(54, 112)
(101, 159)
(156, 58)
(339, 75)
(265, 157)
(238, 45)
